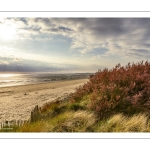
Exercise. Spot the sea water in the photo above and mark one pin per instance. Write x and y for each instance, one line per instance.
(33, 78)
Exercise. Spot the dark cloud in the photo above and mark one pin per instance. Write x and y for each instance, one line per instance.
(24, 20)
(107, 27)
(136, 55)
(20, 65)
(104, 26)
(97, 26)
(23, 68)
(26, 68)
(46, 21)
(61, 29)
(141, 51)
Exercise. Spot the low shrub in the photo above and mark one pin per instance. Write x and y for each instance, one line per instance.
(123, 89)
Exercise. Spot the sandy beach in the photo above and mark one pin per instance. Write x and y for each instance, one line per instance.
(16, 102)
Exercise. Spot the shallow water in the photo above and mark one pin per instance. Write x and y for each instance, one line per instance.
(24, 79)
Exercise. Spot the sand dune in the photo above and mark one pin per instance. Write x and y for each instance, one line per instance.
(17, 102)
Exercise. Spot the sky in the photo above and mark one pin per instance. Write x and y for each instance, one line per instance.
(72, 44)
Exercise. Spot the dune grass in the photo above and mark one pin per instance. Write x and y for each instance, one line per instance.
(71, 117)
(69, 121)
(62, 117)
(122, 123)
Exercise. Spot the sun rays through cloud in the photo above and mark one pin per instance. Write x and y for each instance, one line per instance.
(72, 44)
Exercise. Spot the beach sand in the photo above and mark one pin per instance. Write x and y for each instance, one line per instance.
(16, 102)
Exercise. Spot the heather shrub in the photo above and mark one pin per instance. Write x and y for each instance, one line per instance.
(81, 91)
(123, 89)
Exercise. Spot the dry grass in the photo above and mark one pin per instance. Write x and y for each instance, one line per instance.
(121, 123)
(38, 126)
(80, 121)
(70, 121)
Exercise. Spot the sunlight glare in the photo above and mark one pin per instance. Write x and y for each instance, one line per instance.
(7, 75)
(7, 32)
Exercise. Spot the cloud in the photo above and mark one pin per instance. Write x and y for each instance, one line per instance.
(27, 65)
(118, 35)
(24, 68)
(18, 59)
(2, 62)
(20, 65)
(98, 37)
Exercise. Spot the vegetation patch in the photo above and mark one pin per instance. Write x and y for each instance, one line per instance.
(115, 100)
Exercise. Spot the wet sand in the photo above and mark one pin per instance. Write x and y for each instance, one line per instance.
(16, 102)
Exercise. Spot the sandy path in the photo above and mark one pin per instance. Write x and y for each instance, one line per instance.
(18, 101)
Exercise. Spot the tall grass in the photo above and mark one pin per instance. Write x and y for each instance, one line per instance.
(69, 121)
(122, 123)
(38, 126)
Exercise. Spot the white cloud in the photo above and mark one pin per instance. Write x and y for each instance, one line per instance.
(18, 59)
(2, 62)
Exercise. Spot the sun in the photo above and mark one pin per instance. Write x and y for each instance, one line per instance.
(7, 75)
(7, 32)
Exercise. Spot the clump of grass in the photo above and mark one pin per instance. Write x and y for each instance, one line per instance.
(79, 121)
(69, 121)
(50, 106)
(38, 126)
(122, 123)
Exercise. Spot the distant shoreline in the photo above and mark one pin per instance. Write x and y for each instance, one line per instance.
(45, 82)
(11, 80)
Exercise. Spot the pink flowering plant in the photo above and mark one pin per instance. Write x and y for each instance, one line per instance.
(124, 89)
